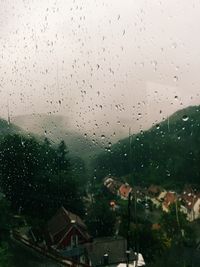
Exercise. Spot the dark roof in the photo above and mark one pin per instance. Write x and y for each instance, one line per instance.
(154, 189)
(189, 197)
(61, 223)
(114, 247)
(62, 219)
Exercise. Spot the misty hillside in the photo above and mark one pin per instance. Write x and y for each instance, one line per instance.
(57, 128)
(8, 128)
(167, 154)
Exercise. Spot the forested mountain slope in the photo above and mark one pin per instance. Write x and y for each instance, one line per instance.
(167, 154)
(8, 128)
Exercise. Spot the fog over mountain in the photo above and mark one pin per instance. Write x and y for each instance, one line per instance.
(105, 65)
(57, 128)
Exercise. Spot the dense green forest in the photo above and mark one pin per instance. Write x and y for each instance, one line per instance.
(35, 174)
(167, 154)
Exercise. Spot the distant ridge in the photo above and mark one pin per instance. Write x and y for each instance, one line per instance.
(167, 154)
(57, 128)
(8, 128)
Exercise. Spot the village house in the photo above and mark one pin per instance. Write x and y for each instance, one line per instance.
(124, 191)
(169, 199)
(66, 233)
(162, 195)
(112, 185)
(111, 251)
(154, 191)
(140, 193)
(158, 196)
(190, 204)
(157, 201)
(107, 181)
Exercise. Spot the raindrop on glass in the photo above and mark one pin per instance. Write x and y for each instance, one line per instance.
(185, 118)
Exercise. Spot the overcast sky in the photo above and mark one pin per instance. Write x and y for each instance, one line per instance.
(106, 65)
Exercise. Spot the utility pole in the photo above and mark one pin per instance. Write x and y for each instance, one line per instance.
(128, 230)
(129, 204)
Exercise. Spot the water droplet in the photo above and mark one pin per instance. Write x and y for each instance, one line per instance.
(185, 118)
(175, 78)
(174, 45)
(102, 136)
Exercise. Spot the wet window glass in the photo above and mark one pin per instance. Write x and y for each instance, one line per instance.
(99, 133)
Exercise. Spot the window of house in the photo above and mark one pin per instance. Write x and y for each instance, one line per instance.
(74, 240)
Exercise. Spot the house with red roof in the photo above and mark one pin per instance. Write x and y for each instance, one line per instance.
(170, 198)
(124, 191)
(190, 204)
(112, 185)
(66, 233)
